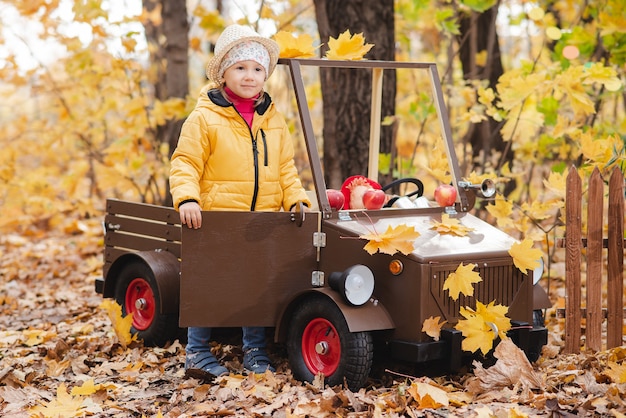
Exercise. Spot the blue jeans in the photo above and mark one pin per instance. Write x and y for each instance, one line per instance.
(198, 338)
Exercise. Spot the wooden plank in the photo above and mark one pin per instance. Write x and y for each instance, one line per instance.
(595, 220)
(375, 122)
(560, 312)
(143, 210)
(573, 224)
(560, 243)
(141, 243)
(615, 273)
(138, 226)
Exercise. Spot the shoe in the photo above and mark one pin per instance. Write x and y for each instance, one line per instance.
(255, 360)
(203, 366)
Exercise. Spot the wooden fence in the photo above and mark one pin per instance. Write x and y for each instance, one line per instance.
(594, 242)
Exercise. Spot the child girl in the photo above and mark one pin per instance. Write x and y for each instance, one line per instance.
(234, 153)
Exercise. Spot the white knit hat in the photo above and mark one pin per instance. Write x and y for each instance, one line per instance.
(232, 36)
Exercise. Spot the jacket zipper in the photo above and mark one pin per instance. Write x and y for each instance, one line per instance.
(255, 155)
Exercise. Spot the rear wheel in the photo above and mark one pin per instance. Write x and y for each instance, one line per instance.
(138, 294)
(320, 342)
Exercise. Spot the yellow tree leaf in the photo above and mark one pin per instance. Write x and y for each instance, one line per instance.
(478, 335)
(348, 47)
(462, 280)
(501, 210)
(438, 166)
(432, 327)
(569, 82)
(524, 256)
(450, 226)
(399, 238)
(292, 46)
(65, 405)
(121, 325)
(556, 184)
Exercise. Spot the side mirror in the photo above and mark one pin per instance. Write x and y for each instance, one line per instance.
(485, 189)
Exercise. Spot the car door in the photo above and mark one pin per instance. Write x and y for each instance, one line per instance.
(241, 268)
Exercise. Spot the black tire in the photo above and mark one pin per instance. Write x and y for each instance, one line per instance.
(136, 281)
(348, 356)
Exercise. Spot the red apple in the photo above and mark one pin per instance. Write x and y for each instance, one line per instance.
(445, 195)
(373, 199)
(335, 198)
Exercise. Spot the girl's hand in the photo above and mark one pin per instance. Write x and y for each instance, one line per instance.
(191, 214)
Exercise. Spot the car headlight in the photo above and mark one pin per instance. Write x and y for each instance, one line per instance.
(355, 284)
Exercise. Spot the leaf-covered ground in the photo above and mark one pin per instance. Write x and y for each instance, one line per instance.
(61, 358)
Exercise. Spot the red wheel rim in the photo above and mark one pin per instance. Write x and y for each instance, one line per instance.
(321, 347)
(140, 302)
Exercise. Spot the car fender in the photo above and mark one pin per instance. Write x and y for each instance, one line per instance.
(166, 269)
(541, 300)
(372, 316)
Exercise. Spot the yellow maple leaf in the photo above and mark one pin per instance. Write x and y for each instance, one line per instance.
(65, 405)
(496, 315)
(121, 325)
(432, 327)
(478, 335)
(569, 82)
(450, 226)
(462, 280)
(438, 165)
(428, 396)
(399, 238)
(481, 326)
(348, 47)
(501, 209)
(292, 46)
(524, 256)
(37, 336)
(615, 371)
(598, 73)
(556, 184)
(89, 388)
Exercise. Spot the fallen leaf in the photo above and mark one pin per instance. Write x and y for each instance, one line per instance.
(121, 325)
(65, 405)
(511, 368)
(428, 396)
(450, 226)
(399, 238)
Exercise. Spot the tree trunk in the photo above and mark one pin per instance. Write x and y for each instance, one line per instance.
(478, 33)
(169, 57)
(347, 93)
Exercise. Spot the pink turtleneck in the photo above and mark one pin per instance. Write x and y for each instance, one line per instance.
(244, 106)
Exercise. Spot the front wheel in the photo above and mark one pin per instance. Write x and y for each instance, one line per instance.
(319, 341)
(138, 294)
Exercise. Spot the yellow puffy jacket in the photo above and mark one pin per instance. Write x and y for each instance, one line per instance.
(223, 164)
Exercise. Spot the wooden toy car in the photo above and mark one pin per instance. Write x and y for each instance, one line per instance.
(307, 276)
